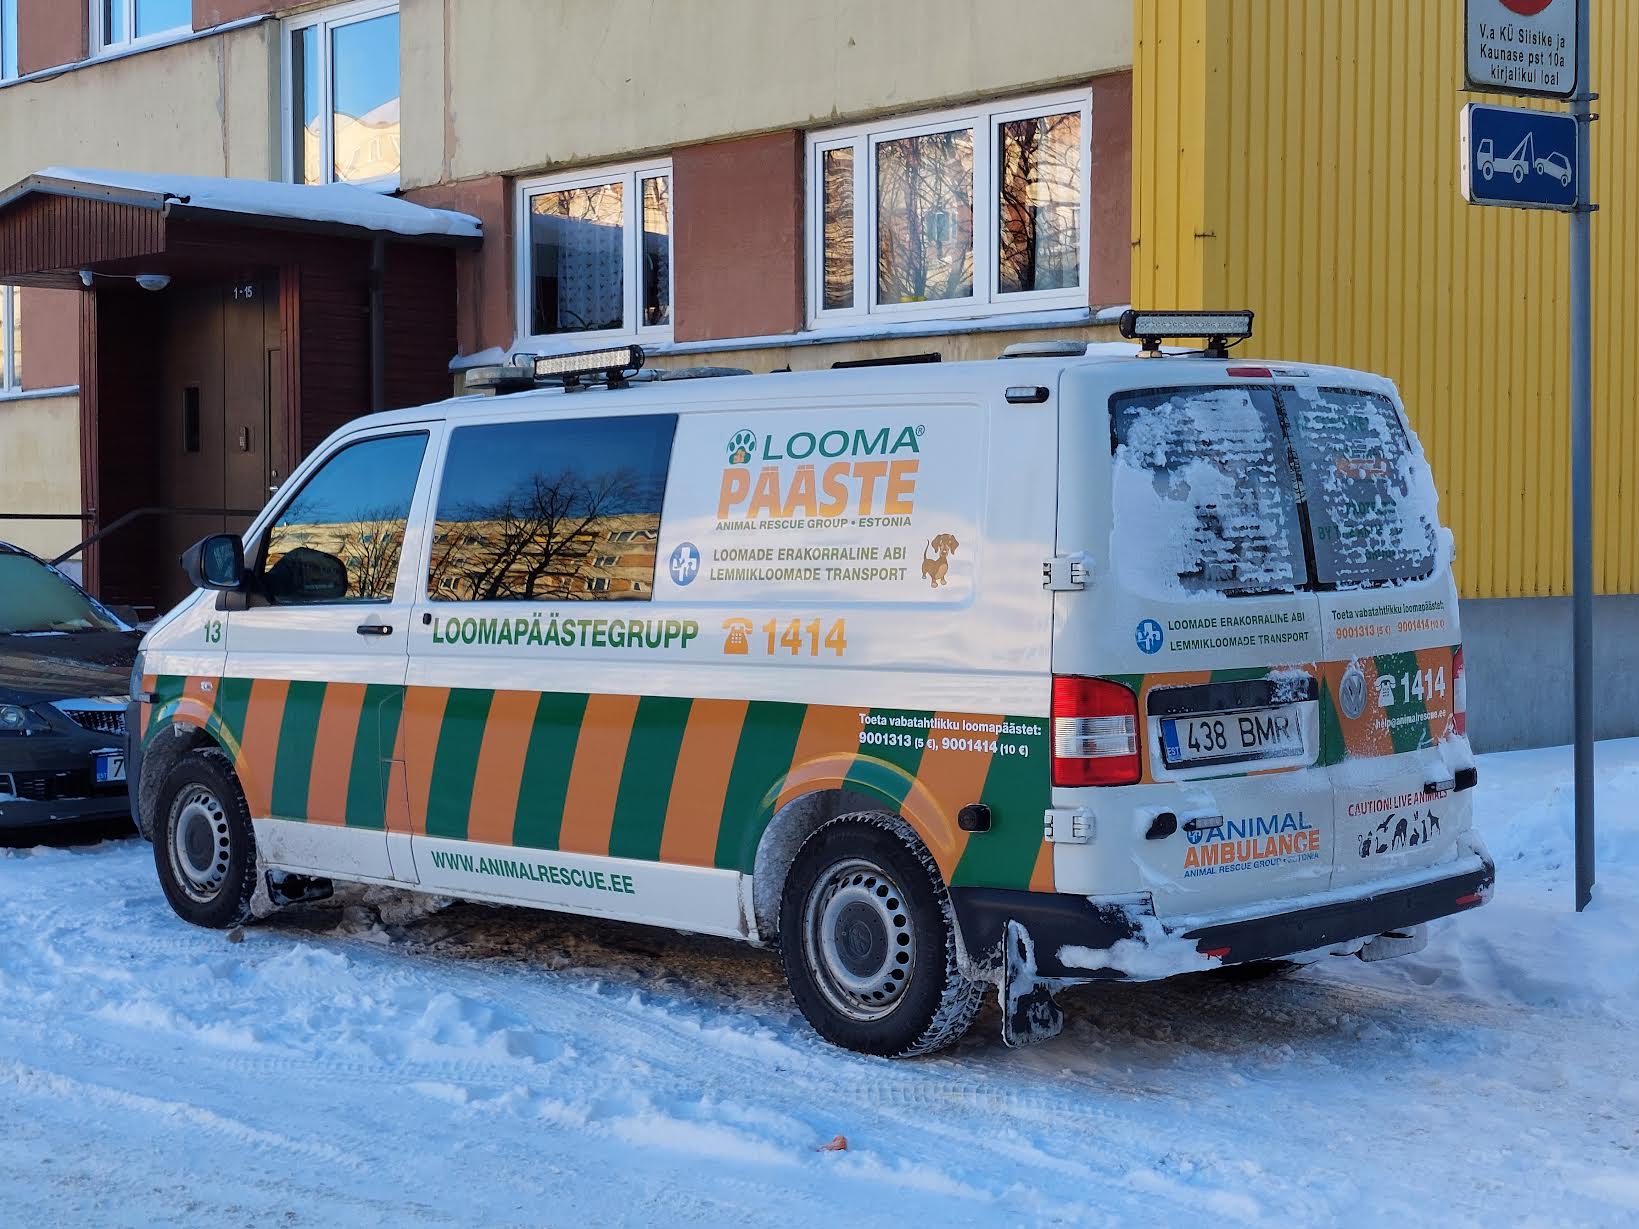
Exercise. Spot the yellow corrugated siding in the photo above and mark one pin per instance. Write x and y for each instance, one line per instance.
(1299, 157)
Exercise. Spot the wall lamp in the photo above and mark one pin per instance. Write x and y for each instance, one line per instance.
(148, 281)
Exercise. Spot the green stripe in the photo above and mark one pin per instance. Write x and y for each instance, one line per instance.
(768, 740)
(293, 762)
(372, 748)
(1018, 791)
(232, 703)
(1334, 745)
(545, 781)
(455, 764)
(1412, 734)
(889, 770)
(646, 779)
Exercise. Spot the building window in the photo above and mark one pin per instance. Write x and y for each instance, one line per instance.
(8, 39)
(964, 213)
(121, 23)
(342, 96)
(11, 339)
(596, 255)
(528, 511)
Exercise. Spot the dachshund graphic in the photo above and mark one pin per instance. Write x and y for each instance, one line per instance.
(936, 558)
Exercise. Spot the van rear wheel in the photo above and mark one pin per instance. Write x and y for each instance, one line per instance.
(204, 845)
(868, 940)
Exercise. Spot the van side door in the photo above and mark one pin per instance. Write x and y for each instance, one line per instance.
(314, 680)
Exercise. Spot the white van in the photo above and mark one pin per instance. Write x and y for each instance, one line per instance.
(1068, 666)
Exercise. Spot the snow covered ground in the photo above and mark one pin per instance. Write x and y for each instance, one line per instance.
(373, 1063)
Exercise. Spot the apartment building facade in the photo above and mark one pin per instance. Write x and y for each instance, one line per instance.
(766, 186)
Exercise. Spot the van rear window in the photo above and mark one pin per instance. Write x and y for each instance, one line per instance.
(1371, 499)
(1205, 496)
(1215, 489)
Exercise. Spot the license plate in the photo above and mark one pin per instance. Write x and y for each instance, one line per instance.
(1230, 738)
(109, 766)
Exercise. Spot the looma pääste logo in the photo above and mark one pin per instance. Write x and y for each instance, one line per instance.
(741, 446)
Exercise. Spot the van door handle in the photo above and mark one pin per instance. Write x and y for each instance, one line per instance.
(374, 629)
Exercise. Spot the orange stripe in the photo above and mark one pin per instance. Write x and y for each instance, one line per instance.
(1041, 877)
(694, 811)
(1359, 736)
(946, 780)
(259, 747)
(501, 766)
(333, 753)
(415, 748)
(594, 780)
(1433, 662)
(825, 752)
(145, 710)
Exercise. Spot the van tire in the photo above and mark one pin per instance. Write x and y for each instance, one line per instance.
(869, 942)
(204, 845)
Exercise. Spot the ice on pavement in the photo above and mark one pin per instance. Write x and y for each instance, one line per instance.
(380, 1061)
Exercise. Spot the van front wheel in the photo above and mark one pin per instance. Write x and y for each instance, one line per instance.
(204, 845)
(868, 940)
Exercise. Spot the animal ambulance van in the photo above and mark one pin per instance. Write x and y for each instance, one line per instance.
(1089, 662)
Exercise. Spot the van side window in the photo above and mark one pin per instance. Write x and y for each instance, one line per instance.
(340, 538)
(563, 509)
(1371, 498)
(1205, 496)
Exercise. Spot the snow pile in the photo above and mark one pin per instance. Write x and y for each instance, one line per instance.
(363, 1062)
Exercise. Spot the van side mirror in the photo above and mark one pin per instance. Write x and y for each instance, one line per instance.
(216, 562)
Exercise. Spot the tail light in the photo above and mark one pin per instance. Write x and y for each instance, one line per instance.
(1095, 732)
(1459, 693)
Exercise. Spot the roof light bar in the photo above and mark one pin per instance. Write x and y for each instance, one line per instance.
(1219, 328)
(615, 364)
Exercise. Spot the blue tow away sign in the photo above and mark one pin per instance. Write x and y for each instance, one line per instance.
(1511, 156)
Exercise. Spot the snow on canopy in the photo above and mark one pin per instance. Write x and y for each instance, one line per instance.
(341, 204)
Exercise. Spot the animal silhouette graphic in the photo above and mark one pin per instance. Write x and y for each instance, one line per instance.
(1399, 837)
(936, 558)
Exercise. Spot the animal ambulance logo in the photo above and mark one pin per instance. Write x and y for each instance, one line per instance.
(685, 563)
(740, 447)
(1149, 636)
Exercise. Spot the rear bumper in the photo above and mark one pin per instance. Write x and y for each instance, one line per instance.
(1059, 922)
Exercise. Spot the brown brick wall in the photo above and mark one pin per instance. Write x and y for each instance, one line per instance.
(51, 33)
(51, 338)
(1110, 194)
(484, 278)
(208, 13)
(737, 246)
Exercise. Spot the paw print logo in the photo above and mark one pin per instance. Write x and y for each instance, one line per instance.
(741, 447)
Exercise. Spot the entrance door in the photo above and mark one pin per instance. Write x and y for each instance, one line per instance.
(223, 438)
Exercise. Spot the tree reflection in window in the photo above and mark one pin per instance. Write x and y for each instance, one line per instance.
(1039, 203)
(529, 511)
(924, 190)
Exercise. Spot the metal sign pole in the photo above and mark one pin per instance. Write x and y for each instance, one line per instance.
(1582, 466)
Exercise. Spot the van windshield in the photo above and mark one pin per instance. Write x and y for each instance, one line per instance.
(1249, 490)
(1205, 497)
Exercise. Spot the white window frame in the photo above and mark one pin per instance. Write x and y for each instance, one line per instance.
(11, 380)
(101, 44)
(326, 21)
(987, 299)
(632, 175)
(4, 75)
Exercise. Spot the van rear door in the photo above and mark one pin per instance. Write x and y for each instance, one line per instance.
(1185, 498)
(1388, 611)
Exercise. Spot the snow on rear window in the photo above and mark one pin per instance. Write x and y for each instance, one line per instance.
(1371, 496)
(1204, 493)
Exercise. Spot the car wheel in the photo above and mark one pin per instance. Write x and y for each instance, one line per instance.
(204, 845)
(868, 940)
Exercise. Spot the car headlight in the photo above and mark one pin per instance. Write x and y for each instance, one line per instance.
(15, 719)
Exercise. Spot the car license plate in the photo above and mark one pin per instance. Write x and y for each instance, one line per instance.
(109, 766)
(1229, 738)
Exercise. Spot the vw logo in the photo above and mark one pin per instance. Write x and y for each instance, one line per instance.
(1149, 636)
(685, 563)
(1351, 691)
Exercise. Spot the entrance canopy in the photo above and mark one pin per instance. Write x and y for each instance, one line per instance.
(226, 327)
(65, 219)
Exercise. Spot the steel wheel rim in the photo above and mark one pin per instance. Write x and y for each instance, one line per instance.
(858, 939)
(201, 841)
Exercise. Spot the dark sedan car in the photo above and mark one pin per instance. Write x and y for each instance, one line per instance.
(65, 669)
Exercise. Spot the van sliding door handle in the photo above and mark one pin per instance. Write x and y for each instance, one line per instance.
(374, 629)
